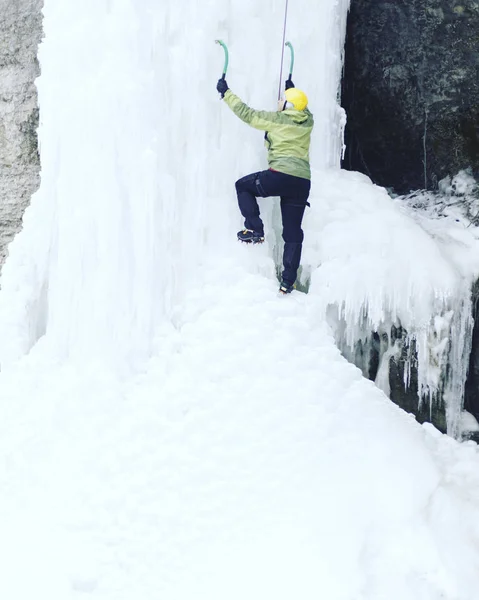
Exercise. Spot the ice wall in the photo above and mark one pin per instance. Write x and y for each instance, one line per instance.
(139, 158)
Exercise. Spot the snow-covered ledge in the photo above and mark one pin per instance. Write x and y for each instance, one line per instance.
(20, 34)
(394, 277)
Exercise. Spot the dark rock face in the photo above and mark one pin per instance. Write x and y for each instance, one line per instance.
(411, 90)
(471, 395)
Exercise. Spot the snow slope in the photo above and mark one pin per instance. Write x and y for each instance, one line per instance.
(233, 468)
(169, 426)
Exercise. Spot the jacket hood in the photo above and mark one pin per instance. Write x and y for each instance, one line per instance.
(298, 116)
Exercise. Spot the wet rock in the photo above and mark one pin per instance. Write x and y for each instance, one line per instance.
(411, 90)
(471, 394)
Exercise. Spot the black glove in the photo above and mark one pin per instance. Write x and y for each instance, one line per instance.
(289, 83)
(222, 86)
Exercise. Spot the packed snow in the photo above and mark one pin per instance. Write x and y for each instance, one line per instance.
(169, 426)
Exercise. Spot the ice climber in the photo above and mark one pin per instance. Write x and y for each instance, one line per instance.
(287, 138)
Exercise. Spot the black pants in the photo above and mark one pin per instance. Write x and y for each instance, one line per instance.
(294, 193)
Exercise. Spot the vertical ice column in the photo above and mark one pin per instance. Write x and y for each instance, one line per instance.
(318, 32)
(139, 158)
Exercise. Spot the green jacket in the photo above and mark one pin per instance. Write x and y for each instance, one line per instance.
(288, 135)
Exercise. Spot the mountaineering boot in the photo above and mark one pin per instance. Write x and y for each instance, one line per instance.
(249, 236)
(285, 288)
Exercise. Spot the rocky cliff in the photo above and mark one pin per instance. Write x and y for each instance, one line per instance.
(411, 90)
(20, 34)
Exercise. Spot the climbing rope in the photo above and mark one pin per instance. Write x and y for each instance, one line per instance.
(282, 49)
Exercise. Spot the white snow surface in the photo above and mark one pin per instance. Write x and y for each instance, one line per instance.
(231, 468)
(169, 427)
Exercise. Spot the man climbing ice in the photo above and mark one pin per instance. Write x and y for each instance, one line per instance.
(287, 138)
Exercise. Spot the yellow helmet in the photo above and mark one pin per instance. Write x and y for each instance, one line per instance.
(297, 98)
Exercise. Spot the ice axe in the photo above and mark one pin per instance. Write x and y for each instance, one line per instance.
(291, 67)
(225, 48)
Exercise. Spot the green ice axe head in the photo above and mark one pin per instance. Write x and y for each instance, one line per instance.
(290, 46)
(225, 48)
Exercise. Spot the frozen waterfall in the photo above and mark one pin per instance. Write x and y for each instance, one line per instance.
(139, 160)
(169, 427)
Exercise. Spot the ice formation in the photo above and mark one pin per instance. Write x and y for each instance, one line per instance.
(169, 427)
(138, 164)
(377, 266)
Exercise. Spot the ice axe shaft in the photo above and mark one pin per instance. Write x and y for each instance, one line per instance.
(225, 48)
